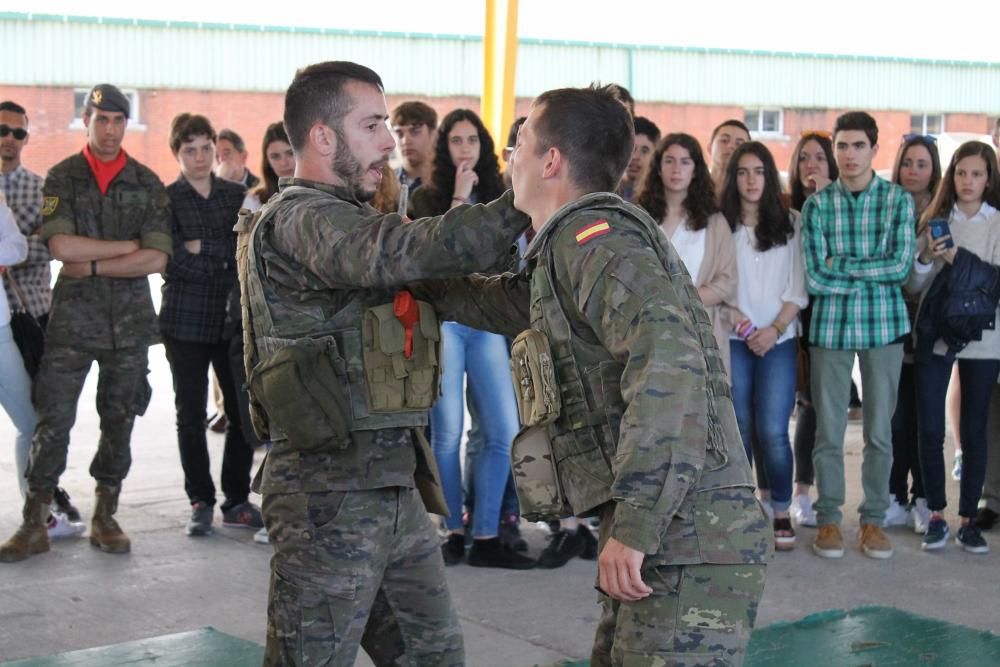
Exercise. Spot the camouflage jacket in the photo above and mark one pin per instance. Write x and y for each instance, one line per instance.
(324, 259)
(647, 417)
(105, 313)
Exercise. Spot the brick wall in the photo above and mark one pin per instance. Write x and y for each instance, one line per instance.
(53, 135)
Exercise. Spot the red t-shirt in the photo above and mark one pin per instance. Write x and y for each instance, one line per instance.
(104, 172)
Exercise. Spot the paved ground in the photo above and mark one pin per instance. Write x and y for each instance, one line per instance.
(75, 597)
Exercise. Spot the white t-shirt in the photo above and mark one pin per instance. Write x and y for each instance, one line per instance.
(691, 248)
(13, 250)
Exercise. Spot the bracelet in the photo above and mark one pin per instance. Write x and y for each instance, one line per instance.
(93, 268)
(461, 200)
(779, 327)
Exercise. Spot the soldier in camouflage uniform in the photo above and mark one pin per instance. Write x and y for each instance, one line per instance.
(107, 218)
(342, 367)
(646, 435)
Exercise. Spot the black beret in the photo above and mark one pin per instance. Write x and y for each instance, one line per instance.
(106, 97)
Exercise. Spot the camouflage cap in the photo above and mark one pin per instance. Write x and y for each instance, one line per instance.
(106, 97)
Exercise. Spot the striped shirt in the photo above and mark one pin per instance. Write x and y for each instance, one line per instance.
(24, 196)
(858, 303)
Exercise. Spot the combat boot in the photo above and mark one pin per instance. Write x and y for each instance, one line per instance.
(33, 535)
(105, 533)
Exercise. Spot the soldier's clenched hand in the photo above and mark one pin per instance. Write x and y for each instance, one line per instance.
(618, 567)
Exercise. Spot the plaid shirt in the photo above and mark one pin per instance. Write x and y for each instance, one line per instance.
(858, 303)
(196, 288)
(23, 190)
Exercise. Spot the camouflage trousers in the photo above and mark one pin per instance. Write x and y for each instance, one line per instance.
(122, 393)
(697, 615)
(357, 568)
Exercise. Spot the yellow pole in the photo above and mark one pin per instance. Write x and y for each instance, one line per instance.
(499, 69)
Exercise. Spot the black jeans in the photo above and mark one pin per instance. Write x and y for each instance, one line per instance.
(905, 440)
(189, 367)
(978, 377)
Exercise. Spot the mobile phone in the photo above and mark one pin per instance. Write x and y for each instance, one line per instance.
(939, 228)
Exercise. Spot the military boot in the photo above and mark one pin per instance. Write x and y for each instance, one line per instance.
(105, 533)
(33, 535)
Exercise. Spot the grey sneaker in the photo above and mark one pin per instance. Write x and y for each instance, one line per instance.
(243, 515)
(200, 523)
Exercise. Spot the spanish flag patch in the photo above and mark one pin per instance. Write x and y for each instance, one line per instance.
(592, 231)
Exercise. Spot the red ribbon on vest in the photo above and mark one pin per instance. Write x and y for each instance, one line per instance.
(406, 310)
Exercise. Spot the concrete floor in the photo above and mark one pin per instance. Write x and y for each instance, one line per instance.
(76, 597)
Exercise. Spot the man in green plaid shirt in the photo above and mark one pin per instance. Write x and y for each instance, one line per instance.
(859, 238)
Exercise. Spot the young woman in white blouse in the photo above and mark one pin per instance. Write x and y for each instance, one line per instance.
(969, 198)
(764, 317)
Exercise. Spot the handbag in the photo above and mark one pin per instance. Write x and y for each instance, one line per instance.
(28, 333)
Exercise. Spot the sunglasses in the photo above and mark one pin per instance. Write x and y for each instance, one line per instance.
(19, 132)
(815, 133)
(922, 138)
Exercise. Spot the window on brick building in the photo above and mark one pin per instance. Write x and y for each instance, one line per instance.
(764, 121)
(926, 123)
(80, 99)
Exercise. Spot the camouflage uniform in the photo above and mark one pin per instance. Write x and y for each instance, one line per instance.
(354, 546)
(647, 437)
(108, 320)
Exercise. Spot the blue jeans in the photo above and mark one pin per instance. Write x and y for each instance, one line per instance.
(484, 357)
(15, 398)
(977, 378)
(764, 395)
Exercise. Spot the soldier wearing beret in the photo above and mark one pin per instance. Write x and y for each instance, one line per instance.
(343, 365)
(107, 219)
(627, 408)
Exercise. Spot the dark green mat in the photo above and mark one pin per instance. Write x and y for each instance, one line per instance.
(198, 648)
(868, 637)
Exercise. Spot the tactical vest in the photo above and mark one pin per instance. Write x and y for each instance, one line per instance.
(318, 376)
(584, 436)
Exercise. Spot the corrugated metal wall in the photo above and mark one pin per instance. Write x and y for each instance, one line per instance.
(73, 51)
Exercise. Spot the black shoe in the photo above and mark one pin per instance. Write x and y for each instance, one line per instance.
(61, 500)
(510, 533)
(986, 518)
(453, 549)
(563, 547)
(589, 543)
(970, 539)
(494, 553)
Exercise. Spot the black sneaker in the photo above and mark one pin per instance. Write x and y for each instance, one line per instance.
(453, 549)
(494, 553)
(510, 533)
(244, 515)
(200, 523)
(936, 536)
(589, 543)
(563, 547)
(986, 518)
(970, 539)
(61, 500)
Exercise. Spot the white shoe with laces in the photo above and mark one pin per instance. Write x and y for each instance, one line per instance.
(921, 516)
(802, 510)
(260, 537)
(60, 526)
(896, 515)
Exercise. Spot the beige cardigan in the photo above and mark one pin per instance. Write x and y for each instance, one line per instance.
(718, 273)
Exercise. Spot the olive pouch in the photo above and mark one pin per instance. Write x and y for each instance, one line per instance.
(302, 387)
(535, 476)
(533, 373)
(396, 382)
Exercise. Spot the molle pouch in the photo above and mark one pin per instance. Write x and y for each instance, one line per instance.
(402, 367)
(533, 373)
(535, 477)
(302, 387)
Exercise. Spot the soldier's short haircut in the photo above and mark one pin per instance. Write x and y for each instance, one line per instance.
(732, 122)
(592, 128)
(232, 137)
(185, 127)
(414, 113)
(317, 95)
(857, 120)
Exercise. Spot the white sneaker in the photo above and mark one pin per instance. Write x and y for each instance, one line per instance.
(921, 516)
(896, 515)
(60, 526)
(802, 510)
(260, 537)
